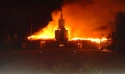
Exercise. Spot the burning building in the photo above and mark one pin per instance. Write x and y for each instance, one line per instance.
(62, 38)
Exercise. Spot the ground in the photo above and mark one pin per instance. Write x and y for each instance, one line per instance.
(87, 61)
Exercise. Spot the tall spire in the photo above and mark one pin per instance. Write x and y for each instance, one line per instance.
(61, 13)
(61, 21)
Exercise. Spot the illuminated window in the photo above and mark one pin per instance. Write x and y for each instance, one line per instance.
(80, 45)
(61, 45)
(42, 41)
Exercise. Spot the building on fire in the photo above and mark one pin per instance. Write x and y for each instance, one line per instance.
(62, 40)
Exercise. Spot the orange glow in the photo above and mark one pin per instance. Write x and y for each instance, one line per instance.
(48, 31)
(84, 20)
(80, 24)
(76, 34)
(97, 40)
(36, 37)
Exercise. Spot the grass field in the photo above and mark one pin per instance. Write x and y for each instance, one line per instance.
(86, 61)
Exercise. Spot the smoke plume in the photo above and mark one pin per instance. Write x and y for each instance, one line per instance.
(91, 18)
(88, 18)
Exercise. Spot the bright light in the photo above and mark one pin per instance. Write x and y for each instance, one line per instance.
(97, 40)
(35, 37)
(61, 45)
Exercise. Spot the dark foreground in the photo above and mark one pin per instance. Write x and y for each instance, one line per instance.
(86, 62)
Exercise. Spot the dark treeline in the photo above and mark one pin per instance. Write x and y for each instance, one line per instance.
(118, 37)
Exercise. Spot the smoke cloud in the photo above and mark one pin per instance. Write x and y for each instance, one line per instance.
(91, 18)
(87, 18)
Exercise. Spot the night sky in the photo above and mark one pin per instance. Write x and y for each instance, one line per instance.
(16, 16)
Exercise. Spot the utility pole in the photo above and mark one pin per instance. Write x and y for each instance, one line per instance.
(31, 27)
(31, 34)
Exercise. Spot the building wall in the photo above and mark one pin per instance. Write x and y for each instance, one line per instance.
(61, 35)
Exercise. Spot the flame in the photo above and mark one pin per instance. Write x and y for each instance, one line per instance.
(84, 20)
(36, 37)
(49, 32)
(97, 40)
(81, 23)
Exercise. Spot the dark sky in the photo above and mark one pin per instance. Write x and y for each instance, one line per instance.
(16, 16)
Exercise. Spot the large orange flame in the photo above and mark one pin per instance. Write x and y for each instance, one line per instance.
(74, 33)
(84, 20)
(48, 31)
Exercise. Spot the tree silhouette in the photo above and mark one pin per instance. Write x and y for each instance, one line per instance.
(120, 30)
